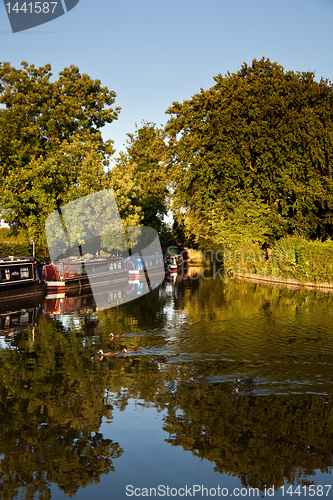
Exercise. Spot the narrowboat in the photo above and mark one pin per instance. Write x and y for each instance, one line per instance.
(83, 273)
(139, 266)
(20, 276)
(173, 262)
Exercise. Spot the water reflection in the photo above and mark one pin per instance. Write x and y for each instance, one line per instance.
(56, 392)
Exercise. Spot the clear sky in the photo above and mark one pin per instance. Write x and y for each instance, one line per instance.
(154, 52)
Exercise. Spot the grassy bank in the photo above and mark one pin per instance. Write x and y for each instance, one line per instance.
(291, 257)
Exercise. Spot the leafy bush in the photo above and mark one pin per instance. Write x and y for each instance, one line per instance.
(17, 244)
(292, 257)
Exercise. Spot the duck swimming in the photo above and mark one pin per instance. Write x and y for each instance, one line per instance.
(118, 336)
(162, 359)
(243, 392)
(102, 353)
(131, 351)
(198, 380)
(245, 380)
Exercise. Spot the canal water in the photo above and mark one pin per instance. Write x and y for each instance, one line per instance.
(80, 425)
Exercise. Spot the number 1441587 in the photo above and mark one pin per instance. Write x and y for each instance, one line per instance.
(311, 490)
(32, 7)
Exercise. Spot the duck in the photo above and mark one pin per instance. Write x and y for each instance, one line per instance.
(131, 351)
(243, 392)
(118, 335)
(162, 359)
(110, 354)
(245, 381)
(198, 380)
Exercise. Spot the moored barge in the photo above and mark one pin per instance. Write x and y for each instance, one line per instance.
(138, 267)
(173, 262)
(20, 276)
(83, 273)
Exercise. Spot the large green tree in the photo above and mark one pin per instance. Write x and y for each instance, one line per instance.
(144, 163)
(254, 151)
(51, 147)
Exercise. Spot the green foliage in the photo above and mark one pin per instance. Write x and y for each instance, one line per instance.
(262, 137)
(305, 260)
(127, 194)
(16, 242)
(248, 221)
(51, 148)
(292, 257)
(143, 162)
(8, 235)
(16, 249)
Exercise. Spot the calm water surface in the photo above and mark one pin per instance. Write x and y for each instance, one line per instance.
(74, 424)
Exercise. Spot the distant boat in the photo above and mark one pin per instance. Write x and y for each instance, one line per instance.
(20, 276)
(173, 262)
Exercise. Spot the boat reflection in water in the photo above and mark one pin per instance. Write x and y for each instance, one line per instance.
(15, 320)
(112, 295)
(172, 277)
(18, 314)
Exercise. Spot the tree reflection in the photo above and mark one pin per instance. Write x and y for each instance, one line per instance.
(264, 440)
(52, 404)
(55, 392)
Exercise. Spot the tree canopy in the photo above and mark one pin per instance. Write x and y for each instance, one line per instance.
(255, 151)
(143, 162)
(249, 159)
(51, 147)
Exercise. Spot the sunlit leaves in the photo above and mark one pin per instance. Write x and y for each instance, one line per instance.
(51, 148)
(263, 136)
(144, 163)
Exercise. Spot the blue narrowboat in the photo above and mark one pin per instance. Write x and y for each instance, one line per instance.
(137, 266)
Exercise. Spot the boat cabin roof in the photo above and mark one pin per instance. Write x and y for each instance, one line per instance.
(78, 260)
(16, 260)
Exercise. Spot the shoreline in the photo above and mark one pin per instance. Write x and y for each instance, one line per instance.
(289, 282)
(293, 283)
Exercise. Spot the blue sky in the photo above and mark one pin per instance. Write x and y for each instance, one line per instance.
(154, 52)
